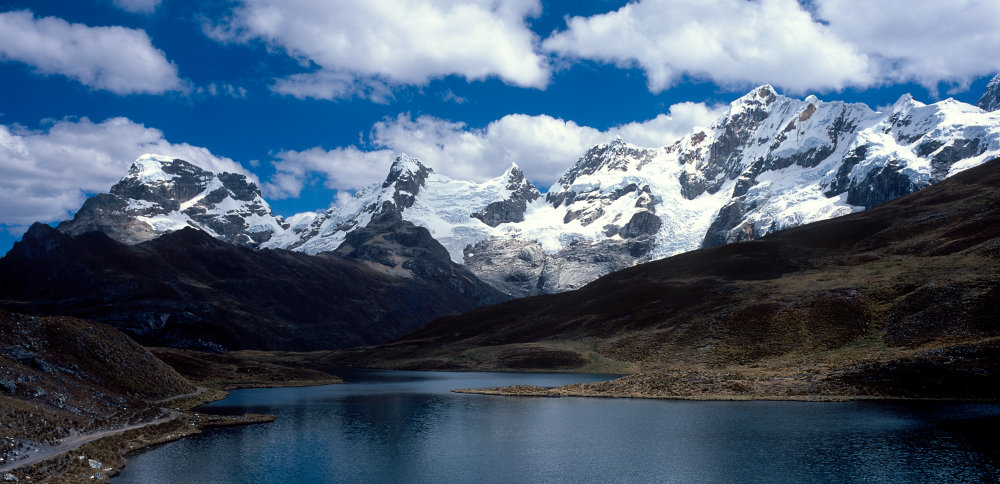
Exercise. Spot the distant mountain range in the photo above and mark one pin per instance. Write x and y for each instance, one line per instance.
(770, 162)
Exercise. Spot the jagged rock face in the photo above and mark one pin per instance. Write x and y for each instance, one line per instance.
(991, 99)
(722, 159)
(523, 268)
(601, 216)
(161, 195)
(520, 273)
(879, 186)
(584, 190)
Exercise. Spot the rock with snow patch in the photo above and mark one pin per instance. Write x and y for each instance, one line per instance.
(991, 98)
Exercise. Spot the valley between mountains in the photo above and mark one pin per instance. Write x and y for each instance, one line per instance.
(795, 249)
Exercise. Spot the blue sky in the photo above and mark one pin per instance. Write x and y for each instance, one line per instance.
(314, 97)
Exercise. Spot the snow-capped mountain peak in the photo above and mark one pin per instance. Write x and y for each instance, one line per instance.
(160, 194)
(406, 176)
(148, 169)
(905, 101)
(406, 167)
(513, 171)
(761, 97)
(769, 163)
(614, 156)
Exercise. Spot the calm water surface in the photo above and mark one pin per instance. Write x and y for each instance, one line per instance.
(391, 426)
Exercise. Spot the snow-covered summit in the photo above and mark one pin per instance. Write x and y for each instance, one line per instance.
(160, 194)
(762, 96)
(405, 164)
(148, 168)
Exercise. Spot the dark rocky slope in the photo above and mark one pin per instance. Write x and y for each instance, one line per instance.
(899, 300)
(76, 397)
(188, 289)
(60, 376)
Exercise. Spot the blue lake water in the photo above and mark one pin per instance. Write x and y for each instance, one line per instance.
(392, 426)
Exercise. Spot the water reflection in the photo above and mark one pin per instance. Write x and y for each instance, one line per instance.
(409, 427)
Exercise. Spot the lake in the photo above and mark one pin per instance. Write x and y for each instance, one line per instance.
(396, 426)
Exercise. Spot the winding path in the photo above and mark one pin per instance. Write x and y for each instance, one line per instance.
(75, 441)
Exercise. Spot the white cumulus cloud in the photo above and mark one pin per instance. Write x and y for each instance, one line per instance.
(46, 174)
(730, 42)
(926, 41)
(816, 45)
(543, 146)
(116, 59)
(364, 48)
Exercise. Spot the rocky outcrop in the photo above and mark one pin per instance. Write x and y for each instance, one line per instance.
(879, 186)
(406, 178)
(511, 209)
(991, 98)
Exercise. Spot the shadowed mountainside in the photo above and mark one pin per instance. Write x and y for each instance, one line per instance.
(898, 300)
(188, 289)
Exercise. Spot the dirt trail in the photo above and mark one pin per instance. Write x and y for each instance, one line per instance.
(75, 441)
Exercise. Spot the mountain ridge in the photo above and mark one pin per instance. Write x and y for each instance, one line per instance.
(769, 162)
(189, 289)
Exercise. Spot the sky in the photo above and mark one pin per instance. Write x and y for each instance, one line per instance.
(312, 99)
